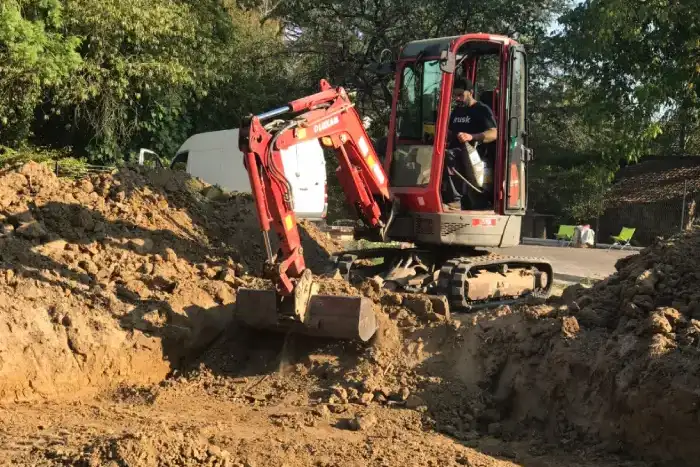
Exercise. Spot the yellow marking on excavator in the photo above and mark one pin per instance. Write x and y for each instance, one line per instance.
(371, 162)
(288, 222)
(301, 133)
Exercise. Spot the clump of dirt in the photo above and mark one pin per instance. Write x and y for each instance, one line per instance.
(323, 239)
(117, 277)
(155, 447)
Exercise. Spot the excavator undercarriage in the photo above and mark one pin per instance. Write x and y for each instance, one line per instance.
(472, 280)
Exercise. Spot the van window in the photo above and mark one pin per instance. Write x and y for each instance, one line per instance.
(180, 161)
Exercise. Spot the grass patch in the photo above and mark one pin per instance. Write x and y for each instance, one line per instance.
(366, 245)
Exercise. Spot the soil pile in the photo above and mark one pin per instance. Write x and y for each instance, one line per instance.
(163, 448)
(116, 277)
(616, 364)
(265, 368)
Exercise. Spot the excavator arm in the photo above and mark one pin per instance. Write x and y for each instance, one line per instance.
(328, 116)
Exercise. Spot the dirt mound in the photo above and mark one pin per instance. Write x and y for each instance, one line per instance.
(206, 430)
(116, 277)
(129, 280)
(262, 367)
(323, 239)
(616, 364)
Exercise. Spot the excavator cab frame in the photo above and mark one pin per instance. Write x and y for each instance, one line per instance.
(422, 154)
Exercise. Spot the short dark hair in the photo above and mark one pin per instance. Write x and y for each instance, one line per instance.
(463, 83)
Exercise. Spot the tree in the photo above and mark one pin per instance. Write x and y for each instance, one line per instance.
(573, 166)
(341, 39)
(106, 77)
(636, 58)
(142, 61)
(35, 56)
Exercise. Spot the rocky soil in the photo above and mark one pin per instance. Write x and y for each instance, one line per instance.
(117, 347)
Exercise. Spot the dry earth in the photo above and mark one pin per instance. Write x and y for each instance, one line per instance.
(117, 347)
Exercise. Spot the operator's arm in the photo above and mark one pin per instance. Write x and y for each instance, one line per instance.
(487, 136)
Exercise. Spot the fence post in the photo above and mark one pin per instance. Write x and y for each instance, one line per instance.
(601, 205)
(685, 195)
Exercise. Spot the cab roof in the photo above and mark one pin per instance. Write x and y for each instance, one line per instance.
(433, 47)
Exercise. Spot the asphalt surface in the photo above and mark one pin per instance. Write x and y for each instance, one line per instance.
(572, 264)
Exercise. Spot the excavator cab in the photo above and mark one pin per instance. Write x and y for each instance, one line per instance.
(417, 146)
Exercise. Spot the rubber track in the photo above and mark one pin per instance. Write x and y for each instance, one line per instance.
(455, 272)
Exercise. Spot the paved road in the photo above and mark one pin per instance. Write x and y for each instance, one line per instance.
(573, 264)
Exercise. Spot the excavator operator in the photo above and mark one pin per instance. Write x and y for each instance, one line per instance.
(470, 121)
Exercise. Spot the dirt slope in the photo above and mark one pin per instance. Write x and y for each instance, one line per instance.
(617, 364)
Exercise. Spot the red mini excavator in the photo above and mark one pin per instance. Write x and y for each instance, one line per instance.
(397, 193)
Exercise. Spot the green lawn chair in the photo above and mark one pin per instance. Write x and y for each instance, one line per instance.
(623, 239)
(566, 234)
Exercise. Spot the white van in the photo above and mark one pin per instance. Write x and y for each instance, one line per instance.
(215, 158)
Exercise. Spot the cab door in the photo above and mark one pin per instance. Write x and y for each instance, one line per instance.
(517, 152)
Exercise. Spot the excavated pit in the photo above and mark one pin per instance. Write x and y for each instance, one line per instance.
(117, 348)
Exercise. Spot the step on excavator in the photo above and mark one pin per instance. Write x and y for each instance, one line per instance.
(397, 191)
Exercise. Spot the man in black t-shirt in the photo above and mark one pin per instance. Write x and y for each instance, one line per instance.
(470, 121)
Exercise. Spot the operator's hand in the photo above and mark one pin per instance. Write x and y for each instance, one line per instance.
(464, 137)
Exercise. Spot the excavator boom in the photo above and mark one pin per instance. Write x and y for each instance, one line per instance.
(328, 116)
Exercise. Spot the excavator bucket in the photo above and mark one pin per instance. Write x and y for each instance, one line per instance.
(306, 312)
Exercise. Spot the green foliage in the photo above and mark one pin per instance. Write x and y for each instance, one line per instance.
(11, 157)
(572, 193)
(35, 57)
(143, 61)
(634, 59)
(107, 77)
(617, 83)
